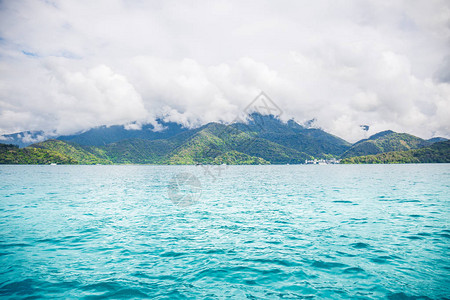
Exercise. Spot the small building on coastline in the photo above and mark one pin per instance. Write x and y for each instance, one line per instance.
(330, 161)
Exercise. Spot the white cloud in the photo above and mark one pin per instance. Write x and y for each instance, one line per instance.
(71, 65)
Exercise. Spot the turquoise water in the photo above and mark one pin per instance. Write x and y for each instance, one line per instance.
(256, 232)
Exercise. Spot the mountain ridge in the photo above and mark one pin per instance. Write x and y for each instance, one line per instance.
(435, 153)
(262, 139)
(385, 141)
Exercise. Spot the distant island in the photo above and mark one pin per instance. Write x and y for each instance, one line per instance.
(263, 140)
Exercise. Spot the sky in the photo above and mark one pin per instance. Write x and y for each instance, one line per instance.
(68, 66)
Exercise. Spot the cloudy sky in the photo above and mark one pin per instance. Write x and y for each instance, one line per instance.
(67, 66)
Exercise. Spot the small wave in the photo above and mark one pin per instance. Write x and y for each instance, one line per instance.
(416, 216)
(354, 270)
(409, 201)
(215, 251)
(22, 288)
(342, 201)
(403, 296)
(280, 262)
(327, 264)
(102, 286)
(360, 245)
(172, 254)
(127, 293)
(446, 235)
(384, 259)
(346, 254)
(160, 277)
(424, 234)
(414, 237)
(12, 245)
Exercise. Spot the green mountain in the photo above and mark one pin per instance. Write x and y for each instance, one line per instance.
(385, 141)
(436, 153)
(11, 154)
(261, 140)
(74, 151)
(436, 139)
(311, 141)
(213, 143)
(215, 140)
(237, 158)
(210, 144)
(134, 151)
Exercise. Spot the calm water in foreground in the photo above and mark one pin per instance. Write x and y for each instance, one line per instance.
(257, 232)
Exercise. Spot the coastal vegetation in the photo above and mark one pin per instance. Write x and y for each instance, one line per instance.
(11, 154)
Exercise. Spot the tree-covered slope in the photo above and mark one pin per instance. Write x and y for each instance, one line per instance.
(436, 153)
(141, 151)
(11, 154)
(436, 140)
(385, 141)
(137, 151)
(217, 140)
(213, 143)
(74, 151)
(311, 141)
(237, 158)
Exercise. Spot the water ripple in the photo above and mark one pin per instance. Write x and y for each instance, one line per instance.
(259, 232)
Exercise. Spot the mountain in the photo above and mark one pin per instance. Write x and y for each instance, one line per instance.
(104, 135)
(214, 140)
(212, 143)
(99, 136)
(436, 153)
(385, 141)
(23, 139)
(262, 139)
(140, 151)
(11, 154)
(74, 151)
(312, 141)
(436, 139)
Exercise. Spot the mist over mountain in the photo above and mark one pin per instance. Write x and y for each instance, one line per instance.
(23, 139)
(104, 135)
(261, 139)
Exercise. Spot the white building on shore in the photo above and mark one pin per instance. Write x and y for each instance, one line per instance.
(330, 161)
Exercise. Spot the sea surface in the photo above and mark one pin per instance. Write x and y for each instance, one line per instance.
(228, 232)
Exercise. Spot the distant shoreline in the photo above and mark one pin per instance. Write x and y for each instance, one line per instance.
(179, 165)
